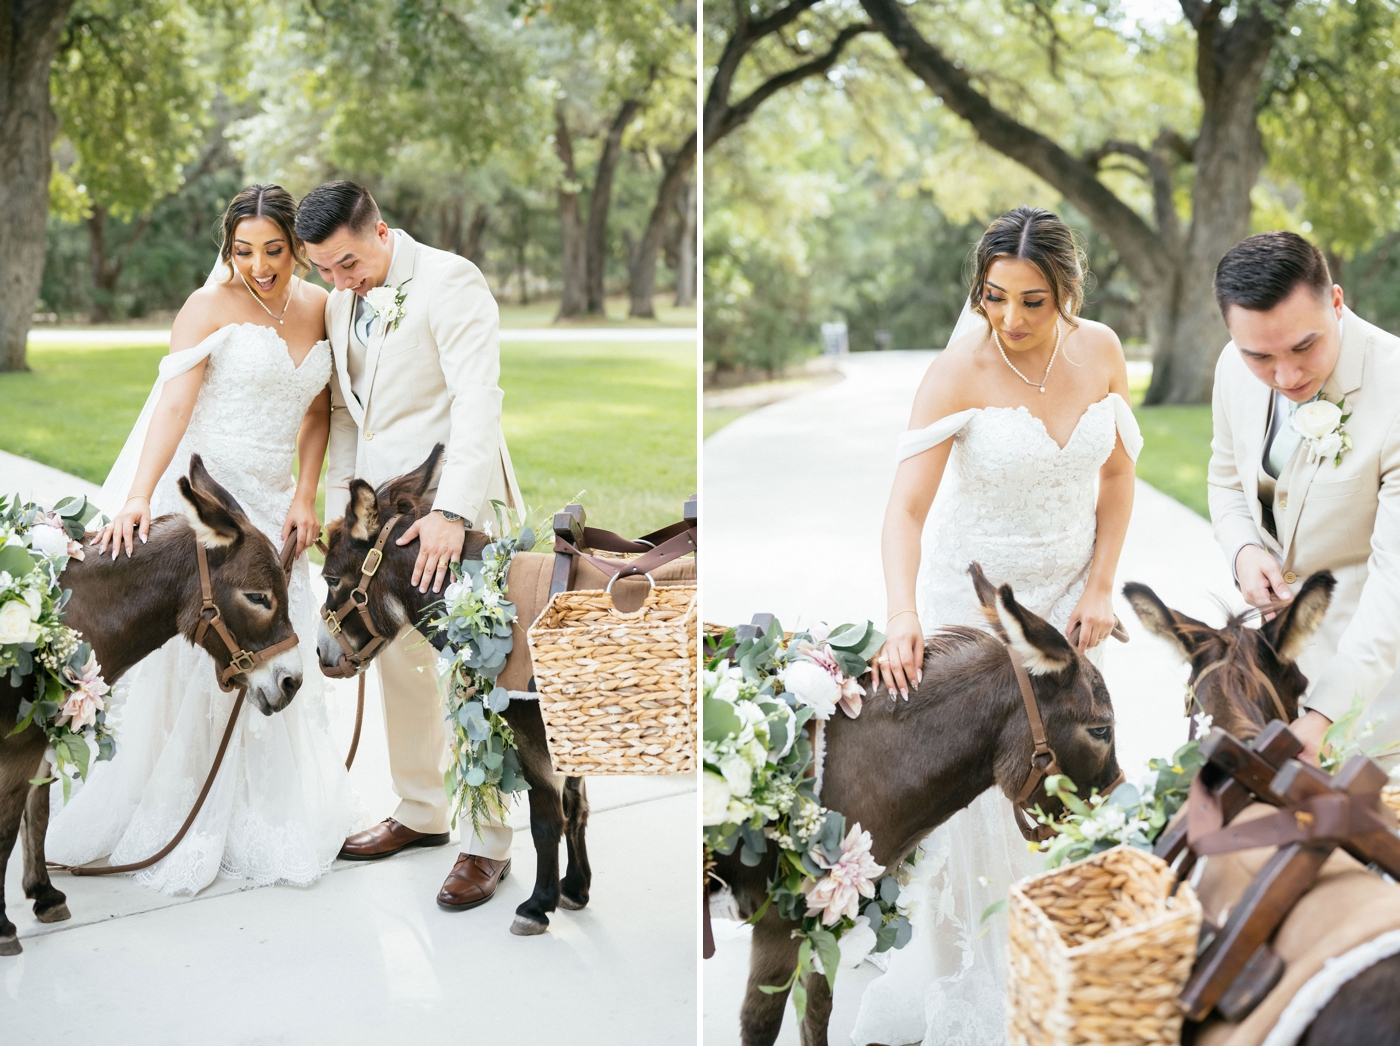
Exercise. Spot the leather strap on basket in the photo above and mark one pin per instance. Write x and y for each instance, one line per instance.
(352, 660)
(678, 544)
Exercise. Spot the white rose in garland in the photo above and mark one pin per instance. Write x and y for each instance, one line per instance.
(49, 540)
(1322, 426)
(811, 685)
(716, 799)
(14, 622)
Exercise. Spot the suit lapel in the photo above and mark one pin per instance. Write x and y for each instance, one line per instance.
(1256, 428)
(340, 349)
(1345, 380)
(400, 271)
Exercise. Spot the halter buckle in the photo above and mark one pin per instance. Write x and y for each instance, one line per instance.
(366, 569)
(332, 623)
(243, 661)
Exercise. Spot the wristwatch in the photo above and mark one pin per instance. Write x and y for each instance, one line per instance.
(451, 517)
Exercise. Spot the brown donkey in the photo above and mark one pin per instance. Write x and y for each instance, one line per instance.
(1237, 672)
(130, 606)
(394, 602)
(904, 767)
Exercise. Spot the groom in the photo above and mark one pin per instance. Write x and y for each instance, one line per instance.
(415, 365)
(1293, 488)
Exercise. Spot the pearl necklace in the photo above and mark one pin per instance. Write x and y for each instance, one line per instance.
(288, 304)
(1053, 353)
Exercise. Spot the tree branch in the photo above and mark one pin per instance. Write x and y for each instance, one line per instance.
(1139, 246)
(731, 117)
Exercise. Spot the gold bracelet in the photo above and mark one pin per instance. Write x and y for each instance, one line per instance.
(143, 497)
(893, 616)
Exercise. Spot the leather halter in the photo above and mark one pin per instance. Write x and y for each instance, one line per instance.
(241, 660)
(352, 660)
(1043, 761)
(1195, 684)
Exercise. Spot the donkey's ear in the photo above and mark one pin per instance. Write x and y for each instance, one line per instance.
(986, 594)
(1186, 634)
(362, 516)
(211, 510)
(1295, 624)
(1043, 650)
(425, 477)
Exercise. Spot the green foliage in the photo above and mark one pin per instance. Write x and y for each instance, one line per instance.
(134, 102)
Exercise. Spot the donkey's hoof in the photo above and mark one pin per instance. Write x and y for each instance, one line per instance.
(10, 946)
(57, 914)
(523, 927)
(568, 903)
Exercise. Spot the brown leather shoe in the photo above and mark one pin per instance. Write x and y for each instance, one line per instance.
(385, 839)
(472, 881)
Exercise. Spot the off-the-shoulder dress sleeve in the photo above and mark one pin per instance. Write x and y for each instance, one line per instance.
(1128, 429)
(916, 441)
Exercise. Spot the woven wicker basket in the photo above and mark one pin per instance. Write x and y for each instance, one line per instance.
(1098, 954)
(618, 691)
(1391, 797)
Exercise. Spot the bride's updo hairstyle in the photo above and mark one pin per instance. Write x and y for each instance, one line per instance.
(263, 201)
(1035, 235)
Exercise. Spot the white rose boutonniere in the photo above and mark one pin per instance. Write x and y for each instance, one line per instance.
(1322, 426)
(387, 303)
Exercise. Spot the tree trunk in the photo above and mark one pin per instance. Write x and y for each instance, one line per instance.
(29, 35)
(471, 246)
(104, 272)
(643, 263)
(1175, 270)
(573, 297)
(596, 250)
(685, 261)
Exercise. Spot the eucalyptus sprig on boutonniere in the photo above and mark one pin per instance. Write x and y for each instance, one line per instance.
(387, 303)
(1322, 426)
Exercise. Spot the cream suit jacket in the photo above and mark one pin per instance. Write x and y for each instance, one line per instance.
(1339, 517)
(432, 379)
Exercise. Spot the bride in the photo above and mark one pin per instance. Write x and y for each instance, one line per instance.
(246, 386)
(1029, 404)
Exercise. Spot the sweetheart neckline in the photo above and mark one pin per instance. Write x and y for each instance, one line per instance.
(1044, 428)
(286, 349)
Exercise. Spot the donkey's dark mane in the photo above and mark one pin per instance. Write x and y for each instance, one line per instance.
(1241, 668)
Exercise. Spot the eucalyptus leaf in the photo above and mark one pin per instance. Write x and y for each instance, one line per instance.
(475, 777)
(498, 699)
(15, 560)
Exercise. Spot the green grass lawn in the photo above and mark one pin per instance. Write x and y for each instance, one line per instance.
(615, 420)
(1175, 449)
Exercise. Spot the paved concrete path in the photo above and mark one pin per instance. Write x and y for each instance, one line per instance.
(364, 955)
(161, 336)
(794, 498)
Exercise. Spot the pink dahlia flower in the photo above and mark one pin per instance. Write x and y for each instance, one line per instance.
(852, 877)
(86, 700)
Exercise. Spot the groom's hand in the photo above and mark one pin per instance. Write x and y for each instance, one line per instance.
(1260, 579)
(1310, 728)
(439, 546)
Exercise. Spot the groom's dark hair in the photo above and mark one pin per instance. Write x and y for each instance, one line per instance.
(1259, 272)
(329, 208)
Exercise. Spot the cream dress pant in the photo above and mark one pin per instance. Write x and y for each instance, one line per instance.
(420, 745)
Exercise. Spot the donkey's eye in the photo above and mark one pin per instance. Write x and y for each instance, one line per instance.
(1101, 733)
(331, 582)
(258, 600)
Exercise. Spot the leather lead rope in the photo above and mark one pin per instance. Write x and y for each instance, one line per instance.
(252, 659)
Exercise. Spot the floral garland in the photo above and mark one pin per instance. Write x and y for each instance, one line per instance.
(758, 696)
(475, 619)
(70, 695)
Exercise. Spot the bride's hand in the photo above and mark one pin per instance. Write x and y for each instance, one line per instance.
(133, 519)
(302, 518)
(900, 663)
(1092, 620)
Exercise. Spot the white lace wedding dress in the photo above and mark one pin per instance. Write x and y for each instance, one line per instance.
(281, 805)
(1022, 506)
